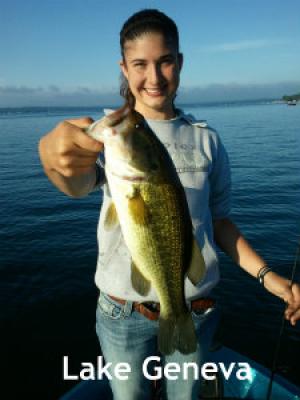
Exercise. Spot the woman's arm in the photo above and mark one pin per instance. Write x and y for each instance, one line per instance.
(232, 242)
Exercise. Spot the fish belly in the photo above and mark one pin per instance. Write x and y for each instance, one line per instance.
(157, 246)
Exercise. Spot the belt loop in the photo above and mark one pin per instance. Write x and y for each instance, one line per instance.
(128, 308)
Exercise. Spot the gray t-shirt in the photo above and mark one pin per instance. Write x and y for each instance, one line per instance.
(203, 167)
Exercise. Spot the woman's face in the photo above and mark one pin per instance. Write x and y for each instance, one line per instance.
(152, 68)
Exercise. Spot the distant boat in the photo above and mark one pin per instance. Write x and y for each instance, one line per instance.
(292, 102)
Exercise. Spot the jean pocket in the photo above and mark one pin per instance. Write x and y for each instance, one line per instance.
(110, 308)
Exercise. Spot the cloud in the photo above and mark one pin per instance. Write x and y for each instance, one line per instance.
(241, 45)
(23, 96)
(54, 89)
(19, 90)
(19, 96)
(219, 92)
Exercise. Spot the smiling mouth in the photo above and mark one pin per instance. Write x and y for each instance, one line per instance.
(154, 92)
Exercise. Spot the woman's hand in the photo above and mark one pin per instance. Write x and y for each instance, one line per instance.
(290, 294)
(69, 157)
(68, 150)
(292, 298)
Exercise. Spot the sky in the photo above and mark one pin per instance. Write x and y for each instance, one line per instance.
(67, 52)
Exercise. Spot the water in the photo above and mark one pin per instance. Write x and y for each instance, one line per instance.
(48, 244)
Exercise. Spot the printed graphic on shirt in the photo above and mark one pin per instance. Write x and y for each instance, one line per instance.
(186, 158)
(189, 161)
(191, 165)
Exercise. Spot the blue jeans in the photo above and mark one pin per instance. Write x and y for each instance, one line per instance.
(127, 336)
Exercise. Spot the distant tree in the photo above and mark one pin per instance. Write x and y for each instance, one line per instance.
(291, 97)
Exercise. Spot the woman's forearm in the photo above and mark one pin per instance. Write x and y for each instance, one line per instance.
(233, 243)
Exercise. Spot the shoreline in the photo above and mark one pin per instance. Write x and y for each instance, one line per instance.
(97, 108)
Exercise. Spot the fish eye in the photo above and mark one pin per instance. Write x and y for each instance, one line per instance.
(137, 125)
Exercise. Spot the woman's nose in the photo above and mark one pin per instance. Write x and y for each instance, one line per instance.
(155, 74)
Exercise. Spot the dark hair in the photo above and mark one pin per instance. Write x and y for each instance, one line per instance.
(145, 21)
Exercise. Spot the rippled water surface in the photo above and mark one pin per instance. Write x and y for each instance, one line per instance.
(48, 241)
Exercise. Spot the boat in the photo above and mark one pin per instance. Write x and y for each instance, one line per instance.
(292, 103)
(257, 387)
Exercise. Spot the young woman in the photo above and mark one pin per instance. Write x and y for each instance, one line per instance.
(151, 64)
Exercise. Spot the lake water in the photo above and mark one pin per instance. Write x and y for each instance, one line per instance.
(48, 245)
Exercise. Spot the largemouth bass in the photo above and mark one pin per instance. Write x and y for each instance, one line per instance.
(149, 202)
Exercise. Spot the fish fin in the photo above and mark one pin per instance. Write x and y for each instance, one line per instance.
(197, 268)
(177, 335)
(138, 209)
(139, 282)
(111, 217)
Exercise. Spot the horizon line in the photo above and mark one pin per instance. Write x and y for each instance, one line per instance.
(259, 99)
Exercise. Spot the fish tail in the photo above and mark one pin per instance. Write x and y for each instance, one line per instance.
(186, 335)
(166, 332)
(177, 335)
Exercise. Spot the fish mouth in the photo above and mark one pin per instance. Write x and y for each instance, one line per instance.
(130, 178)
(133, 178)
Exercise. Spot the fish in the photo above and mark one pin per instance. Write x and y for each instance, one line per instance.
(149, 203)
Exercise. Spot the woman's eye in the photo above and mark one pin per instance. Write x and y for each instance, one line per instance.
(168, 61)
(139, 65)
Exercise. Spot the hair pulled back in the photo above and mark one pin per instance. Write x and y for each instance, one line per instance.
(145, 21)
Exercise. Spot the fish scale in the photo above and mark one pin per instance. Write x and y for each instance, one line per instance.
(164, 236)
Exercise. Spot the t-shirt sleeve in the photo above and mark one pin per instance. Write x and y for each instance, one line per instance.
(220, 181)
